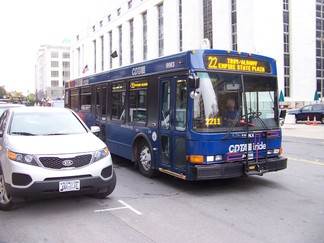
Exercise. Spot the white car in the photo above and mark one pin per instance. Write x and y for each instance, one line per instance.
(47, 151)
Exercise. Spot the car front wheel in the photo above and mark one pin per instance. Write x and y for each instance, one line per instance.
(322, 120)
(6, 203)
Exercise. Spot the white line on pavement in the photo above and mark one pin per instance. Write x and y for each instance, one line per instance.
(118, 208)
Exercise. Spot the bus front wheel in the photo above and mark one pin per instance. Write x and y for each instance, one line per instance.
(145, 160)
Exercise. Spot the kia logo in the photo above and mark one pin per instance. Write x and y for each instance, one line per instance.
(67, 162)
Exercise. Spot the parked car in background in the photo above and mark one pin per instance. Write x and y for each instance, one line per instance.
(47, 151)
(309, 111)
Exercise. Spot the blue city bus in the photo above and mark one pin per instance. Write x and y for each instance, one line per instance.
(196, 115)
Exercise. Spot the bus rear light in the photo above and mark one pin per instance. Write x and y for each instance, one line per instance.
(196, 158)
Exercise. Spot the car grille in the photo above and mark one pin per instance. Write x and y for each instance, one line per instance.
(59, 163)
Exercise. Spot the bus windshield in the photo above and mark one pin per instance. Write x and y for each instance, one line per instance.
(235, 102)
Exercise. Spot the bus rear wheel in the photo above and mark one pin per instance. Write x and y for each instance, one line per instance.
(145, 160)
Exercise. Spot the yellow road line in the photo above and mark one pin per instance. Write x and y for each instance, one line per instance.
(307, 161)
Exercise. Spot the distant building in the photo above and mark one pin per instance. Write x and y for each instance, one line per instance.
(52, 70)
(291, 31)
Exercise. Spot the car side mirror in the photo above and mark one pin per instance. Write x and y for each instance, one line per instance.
(95, 129)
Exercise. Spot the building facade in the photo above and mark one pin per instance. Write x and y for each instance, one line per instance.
(52, 70)
(291, 31)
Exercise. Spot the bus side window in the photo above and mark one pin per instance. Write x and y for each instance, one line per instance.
(165, 111)
(181, 106)
(118, 101)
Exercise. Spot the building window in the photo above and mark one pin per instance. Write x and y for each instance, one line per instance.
(54, 63)
(54, 74)
(180, 25)
(66, 54)
(94, 28)
(130, 3)
(54, 54)
(118, 11)
(109, 17)
(286, 48)
(234, 26)
(320, 48)
(95, 56)
(55, 93)
(131, 39)
(66, 64)
(54, 83)
(110, 48)
(208, 21)
(144, 15)
(120, 30)
(161, 26)
(66, 75)
(100, 23)
(102, 52)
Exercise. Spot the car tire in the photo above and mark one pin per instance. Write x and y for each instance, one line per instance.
(145, 160)
(322, 120)
(6, 203)
(110, 188)
(296, 120)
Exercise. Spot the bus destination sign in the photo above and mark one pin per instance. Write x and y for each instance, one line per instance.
(238, 64)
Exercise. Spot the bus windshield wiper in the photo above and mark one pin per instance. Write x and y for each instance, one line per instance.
(24, 133)
(233, 124)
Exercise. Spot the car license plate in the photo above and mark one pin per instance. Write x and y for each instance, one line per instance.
(68, 186)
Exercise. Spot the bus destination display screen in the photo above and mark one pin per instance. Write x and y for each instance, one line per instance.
(238, 64)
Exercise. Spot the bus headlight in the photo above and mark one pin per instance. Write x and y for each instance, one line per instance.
(273, 151)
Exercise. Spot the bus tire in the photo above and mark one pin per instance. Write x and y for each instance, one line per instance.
(144, 158)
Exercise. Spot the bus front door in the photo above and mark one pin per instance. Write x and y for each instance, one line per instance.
(101, 110)
(173, 124)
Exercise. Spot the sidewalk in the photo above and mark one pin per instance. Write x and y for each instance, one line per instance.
(301, 129)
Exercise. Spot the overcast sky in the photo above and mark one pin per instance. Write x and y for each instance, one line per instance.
(27, 24)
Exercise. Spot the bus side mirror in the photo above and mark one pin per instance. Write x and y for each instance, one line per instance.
(193, 81)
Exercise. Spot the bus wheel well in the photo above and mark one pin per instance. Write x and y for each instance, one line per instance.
(136, 143)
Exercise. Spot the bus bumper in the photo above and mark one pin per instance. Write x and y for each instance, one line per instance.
(235, 169)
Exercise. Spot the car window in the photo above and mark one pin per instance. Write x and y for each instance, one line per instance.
(3, 120)
(317, 108)
(307, 108)
(45, 123)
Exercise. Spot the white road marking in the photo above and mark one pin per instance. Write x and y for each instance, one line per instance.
(130, 207)
(118, 208)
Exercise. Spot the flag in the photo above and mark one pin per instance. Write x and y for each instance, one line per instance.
(85, 69)
(114, 54)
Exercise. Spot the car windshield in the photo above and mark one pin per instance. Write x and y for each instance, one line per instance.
(234, 101)
(45, 123)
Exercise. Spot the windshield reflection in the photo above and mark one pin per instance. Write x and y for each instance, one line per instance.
(221, 104)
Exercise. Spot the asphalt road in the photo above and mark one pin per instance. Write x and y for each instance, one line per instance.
(285, 206)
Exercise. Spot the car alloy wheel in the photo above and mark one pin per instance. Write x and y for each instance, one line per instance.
(5, 199)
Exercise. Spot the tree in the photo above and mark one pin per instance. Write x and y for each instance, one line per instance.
(3, 92)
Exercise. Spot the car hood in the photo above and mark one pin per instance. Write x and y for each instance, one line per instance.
(54, 144)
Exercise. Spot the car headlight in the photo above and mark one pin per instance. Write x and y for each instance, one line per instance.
(22, 158)
(100, 154)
